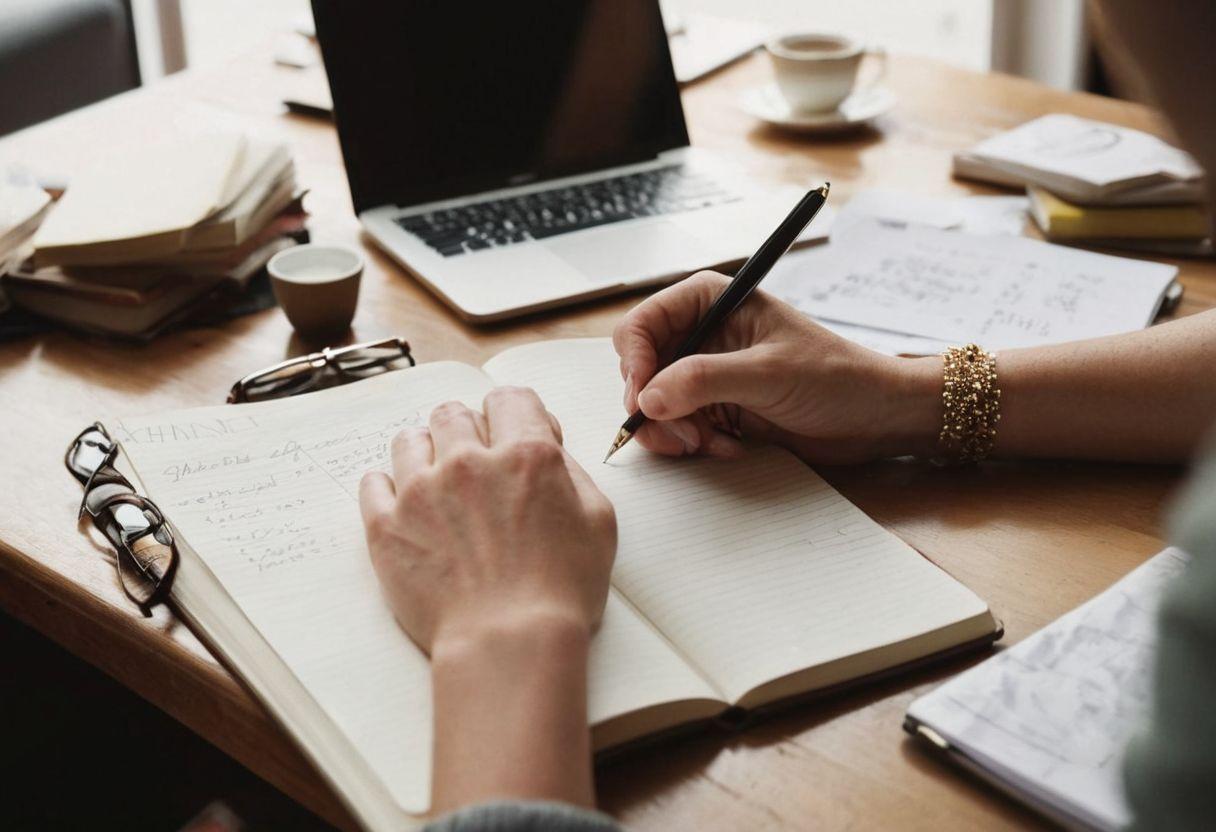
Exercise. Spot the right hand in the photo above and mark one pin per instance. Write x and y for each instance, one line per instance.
(772, 374)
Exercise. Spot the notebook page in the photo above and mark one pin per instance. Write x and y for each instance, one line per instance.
(1052, 714)
(753, 568)
(997, 291)
(267, 495)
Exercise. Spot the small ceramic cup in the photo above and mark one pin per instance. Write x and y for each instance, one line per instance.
(817, 72)
(317, 285)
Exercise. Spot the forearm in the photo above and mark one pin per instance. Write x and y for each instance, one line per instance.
(511, 715)
(1146, 396)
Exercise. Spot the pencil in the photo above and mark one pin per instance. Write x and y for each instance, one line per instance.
(746, 279)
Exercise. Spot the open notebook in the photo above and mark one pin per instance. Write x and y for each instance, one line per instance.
(737, 583)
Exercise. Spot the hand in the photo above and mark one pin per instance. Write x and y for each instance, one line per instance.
(487, 523)
(772, 374)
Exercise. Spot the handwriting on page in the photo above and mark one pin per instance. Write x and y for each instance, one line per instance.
(997, 291)
(268, 519)
(267, 495)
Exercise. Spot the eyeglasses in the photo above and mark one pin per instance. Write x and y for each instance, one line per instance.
(145, 553)
(322, 369)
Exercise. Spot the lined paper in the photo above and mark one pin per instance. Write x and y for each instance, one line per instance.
(752, 568)
(267, 494)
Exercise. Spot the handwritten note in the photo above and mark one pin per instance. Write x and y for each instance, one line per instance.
(1056, 711)
(998, 291)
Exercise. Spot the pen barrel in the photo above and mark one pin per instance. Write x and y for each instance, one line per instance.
(752, 272)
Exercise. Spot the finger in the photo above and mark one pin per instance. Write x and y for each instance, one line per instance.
(517, 414)
(673, 438)
(694, 434)
(653, 326)
(556, 427)
(377, 496)
(704, 379)
(412, 451)
(455, 428)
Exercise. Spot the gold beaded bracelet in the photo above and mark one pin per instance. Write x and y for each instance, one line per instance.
(972, 404)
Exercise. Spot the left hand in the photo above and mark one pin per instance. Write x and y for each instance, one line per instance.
(487, 523)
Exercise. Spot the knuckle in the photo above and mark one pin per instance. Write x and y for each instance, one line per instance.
(380, 527)
(708, 279)
(534, 453)
(463, 465)
(448, 411)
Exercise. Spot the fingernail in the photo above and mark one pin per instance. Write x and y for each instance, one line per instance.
(651, 402)
(721, 445)
(629, 391)
(686, 433)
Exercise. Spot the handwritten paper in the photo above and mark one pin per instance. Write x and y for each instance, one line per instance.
(268, 495)
(997, 291)
(1053, 714)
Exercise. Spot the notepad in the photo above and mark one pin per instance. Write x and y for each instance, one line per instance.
(951, 286)
(1048, 719)
(738, 584)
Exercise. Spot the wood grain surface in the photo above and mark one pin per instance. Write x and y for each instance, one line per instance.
(1034, 539)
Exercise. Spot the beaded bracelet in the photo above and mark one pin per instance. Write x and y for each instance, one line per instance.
(972, 404)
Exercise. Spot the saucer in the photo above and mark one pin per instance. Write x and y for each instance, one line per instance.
(767, 104)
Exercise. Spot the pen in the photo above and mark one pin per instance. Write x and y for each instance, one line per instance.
(746, 279)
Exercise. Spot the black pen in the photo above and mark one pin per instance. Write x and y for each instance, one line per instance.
(746, 279)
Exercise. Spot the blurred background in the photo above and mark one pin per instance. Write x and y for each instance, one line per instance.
(87, 49)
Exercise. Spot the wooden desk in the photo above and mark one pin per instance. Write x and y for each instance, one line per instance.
(1033, 539)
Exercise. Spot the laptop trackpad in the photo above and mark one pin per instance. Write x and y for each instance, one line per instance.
(626, 254)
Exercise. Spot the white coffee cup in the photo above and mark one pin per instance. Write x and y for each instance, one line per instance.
(816, 72)
(317, 285)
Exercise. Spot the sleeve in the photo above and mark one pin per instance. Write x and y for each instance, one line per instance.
(523, 816)
(1170, 770)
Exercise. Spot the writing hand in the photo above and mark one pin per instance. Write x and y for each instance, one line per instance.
(770, 373)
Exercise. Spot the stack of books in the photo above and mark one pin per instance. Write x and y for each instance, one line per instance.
(1099, 184)
(147, 239)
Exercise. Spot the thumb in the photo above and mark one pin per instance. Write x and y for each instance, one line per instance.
(701, 380)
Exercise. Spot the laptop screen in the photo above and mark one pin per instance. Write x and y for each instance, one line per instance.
(439, 98)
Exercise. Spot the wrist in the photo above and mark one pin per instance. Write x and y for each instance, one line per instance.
(528, 633)
(911, 416)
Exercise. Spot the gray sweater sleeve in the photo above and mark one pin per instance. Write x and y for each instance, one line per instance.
(523, 816)
(1171, 768)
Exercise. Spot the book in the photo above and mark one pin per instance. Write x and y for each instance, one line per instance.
(1062, 220)
(153, 202)
(955, 287)
(739, 585)
(129, 302)
(1048, 719)
(1085, 161)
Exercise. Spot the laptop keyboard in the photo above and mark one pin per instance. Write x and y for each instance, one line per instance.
(541, 214)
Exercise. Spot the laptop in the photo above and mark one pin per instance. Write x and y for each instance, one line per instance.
(515, 157)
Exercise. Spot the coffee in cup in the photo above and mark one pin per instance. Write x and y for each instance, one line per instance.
(817, 72)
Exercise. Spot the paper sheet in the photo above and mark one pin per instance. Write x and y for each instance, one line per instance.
(908, 209)
(1053, 714)
(951, 286)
